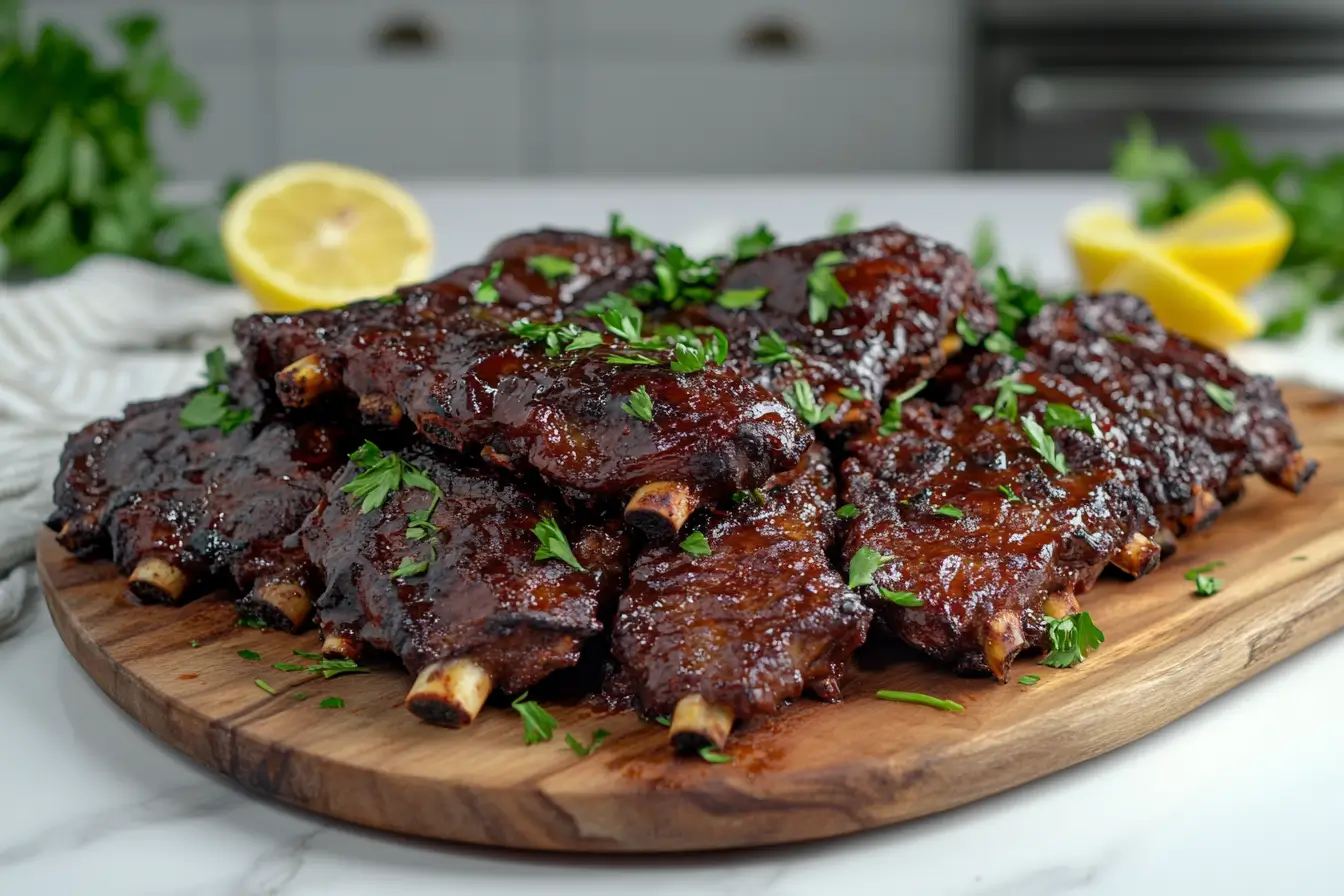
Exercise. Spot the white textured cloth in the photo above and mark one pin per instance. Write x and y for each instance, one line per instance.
(81, 346)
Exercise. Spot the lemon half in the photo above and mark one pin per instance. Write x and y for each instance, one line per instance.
(316, 235)
(1234, 239)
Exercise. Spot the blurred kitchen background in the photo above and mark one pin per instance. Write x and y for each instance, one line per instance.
(492, 88)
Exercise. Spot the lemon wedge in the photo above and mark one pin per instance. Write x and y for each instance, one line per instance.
(1102, 237)
(316, 235)
(1183, 300)
(1234, 239)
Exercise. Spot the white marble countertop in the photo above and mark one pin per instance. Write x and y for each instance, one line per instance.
(1242, 796)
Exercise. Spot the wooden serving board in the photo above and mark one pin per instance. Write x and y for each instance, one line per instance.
(814, 771)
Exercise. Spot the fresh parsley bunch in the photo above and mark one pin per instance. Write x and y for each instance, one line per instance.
(78, 171)
(1312, 195)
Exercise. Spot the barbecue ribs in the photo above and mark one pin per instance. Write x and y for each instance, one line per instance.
(452, 583)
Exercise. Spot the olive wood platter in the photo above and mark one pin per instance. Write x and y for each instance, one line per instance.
(815, 770)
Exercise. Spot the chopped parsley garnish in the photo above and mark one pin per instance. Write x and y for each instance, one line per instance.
(579, 749)
(631, 360)
(846, 222)
(1044, 444)
(1207, 586)
(803, 400)
(640, 405)
(1001, 343)
(1122, 338)
(983, 411)
(851, 393)
(691, 358)
(755, 494)
(696, 544)
(1029, 680)
(410, 567)
(847, 512)
(334, 667)
(824, 291)
(382, 473)
(1012, 496)
(250, 622)
(639, 241)
(1015, 302)
(264, 686)
(332, 703)
(967, 334)
(287, 667)
(486, 291)
(709, 754)
(249, 655)
(749, 245)
(891, 417)
(772, 349)
(195, 643)
(1192, 574)
(418, 526)
(949, 510)
(679, 280)
(299, 696)
(390, 299)
(901, 598)
(1005, 403)
(554, 545)
(552, 267)
(863, 564)
(213, 406)
(584, 340)
(663, 720)
(921, 699)
(1062, 416)
(737, 299)
(538, 724)
(558, 338)
(1071, 640)
(1224, 398)
(626, 322)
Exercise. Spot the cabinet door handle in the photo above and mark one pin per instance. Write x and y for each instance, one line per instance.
(772, 36)
(408, 34)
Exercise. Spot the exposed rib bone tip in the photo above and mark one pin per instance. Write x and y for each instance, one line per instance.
(660, 509)
(156, 579)
(339, 645)
(377, 408)
(302, 382)
(697, 723)
(1204, 510)
(450, 692)
(1003, 641)
(288, 599)
(1296, 473)
(1139, 556)
(1057, 606)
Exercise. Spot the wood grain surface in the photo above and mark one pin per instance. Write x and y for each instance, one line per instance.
(814, 771)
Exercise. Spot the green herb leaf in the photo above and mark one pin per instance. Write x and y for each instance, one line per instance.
(823, 288)
(418, 526)
(984, 245)
(299, 696)
(332, 703)
(640, 405)
(1224, 398)
(1029, 680)
(633, 360)
(1007, 491)
(847, 512)
(749, 245)
(553, 267)
(1207, 586)
(1005, 403)
(983, 411)
(216, 368)
(851, 393)
(1071, 640)
(1192, 574)
(737, 299)
(583, 341)
(709, 754)
(921, 699)
(802, 399)
(891, 417)
(410, 567)
(195, 643)
(1122, 338)
(901, 598)
(845, 223)
(331, 668)
(487, 293)
(538, 724)
(949, 510)
(967, 334)
(287, 667)
(863, 564)
(1044, 444)
(382, 473)
(554, 545)
(579, 749)
(639, 241)
(1063, 416)
(624, 322)
(1001, 343)
(250, 622)
(264, 686)
(663, 720)
(772, 349)
(696, 544)
(249, 655)
(755, 495)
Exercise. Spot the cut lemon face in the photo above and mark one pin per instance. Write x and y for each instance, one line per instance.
(1102, 237)
(1234, 239)
(317, 235)
(1183, 300)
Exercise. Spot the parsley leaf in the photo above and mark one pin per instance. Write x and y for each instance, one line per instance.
(921, 699)
(1062, 416)
(584, 340)
(1224, 398)
(1015, 302)
(264, 686)
(382, 473)
(640, 405)
(772, 349)
(1207, 586)
(949, 510)
(984, 245)
(845, 223)
(1029, 680)
(863, 564)
(552, 267)
(679, 280)
(1192, 574)
(1012, 496)
(1044, 444)
(633, 360)
(983, 411)
(1005, 403)
(486, 291)
(331, 668)
(709, 754)
(410, 567)
(755, 495)
(216, 367)
(891, 417)
(737, 299)
(901, 598)
(688, 358)
(579, 749)
(1001, 343)
(749, 245)
(824, 291)
(639, 241)
(967, 334)
(332, 703)
(625, 322)
(1071, 640)
(802, 399)
(696, 544)
(538, 724)
(213, 406)
(554, 545)
(851, 393)
(418, 526)
(249, 655)
(847, 512)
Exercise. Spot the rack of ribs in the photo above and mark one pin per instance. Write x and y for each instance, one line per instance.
(711, 639)
(176, 506)
(447, 575)
(971, 535)
(1198, 423)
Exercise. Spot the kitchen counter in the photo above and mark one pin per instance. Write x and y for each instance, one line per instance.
(1242, 796)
